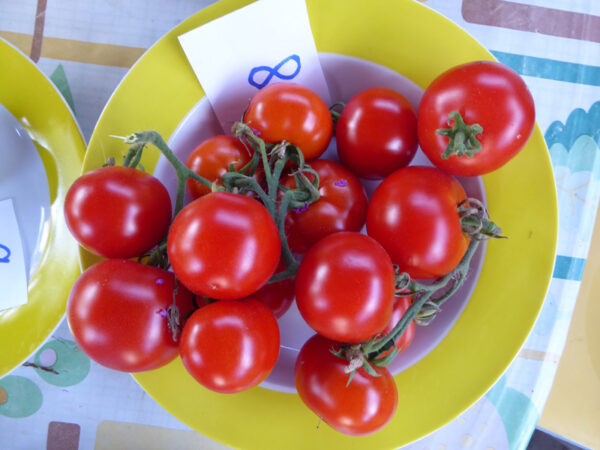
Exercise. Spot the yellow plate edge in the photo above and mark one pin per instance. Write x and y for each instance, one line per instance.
(285, 410)
(34, 100)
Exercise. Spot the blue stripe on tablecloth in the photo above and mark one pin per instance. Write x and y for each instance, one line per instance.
(550, 68)
(568, 268)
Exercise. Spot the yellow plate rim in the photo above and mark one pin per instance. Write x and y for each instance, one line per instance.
(526, 208)
(35, 101)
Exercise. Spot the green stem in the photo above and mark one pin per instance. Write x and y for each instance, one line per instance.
(182, 171)
(134, 155)
(290, 262)
(475, 221)
(244, 132)
(158, 257)
(273, 165)
(463, 137)
(312, 187)
(273, 182)
(251, 166)
(376, 346)
(233, 180)
(335, 115)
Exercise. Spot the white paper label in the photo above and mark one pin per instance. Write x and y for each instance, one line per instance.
(265, 42)
(13, 278)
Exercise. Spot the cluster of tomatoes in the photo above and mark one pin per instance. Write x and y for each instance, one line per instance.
(270, 222)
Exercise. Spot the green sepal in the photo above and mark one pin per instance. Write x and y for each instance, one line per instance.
(463, 137)
(369, 369)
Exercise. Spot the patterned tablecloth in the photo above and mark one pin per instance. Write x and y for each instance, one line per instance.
(553, 44)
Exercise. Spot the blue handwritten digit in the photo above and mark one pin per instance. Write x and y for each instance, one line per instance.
(274, 72)
(5, 258)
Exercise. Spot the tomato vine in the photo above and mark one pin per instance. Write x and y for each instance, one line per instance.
(273, 159)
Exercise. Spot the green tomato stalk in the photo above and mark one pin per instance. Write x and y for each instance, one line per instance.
(427, 298)
(273, 159)
(277, 199)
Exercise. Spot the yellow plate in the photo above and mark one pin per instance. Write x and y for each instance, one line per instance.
(35, 102)
(417, 42)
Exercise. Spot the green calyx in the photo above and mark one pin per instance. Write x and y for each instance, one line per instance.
(463, 137)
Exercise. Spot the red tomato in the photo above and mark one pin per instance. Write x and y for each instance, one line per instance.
(401, 305)
(211, 160)
(230, 346)
(363, 407)
(224, 246)
(483, 92)
(413, 215)
(118, 212)
(376, 133)
(117, 314)
(294, 113)
(345, 287)
(279, 296)
(342, 206)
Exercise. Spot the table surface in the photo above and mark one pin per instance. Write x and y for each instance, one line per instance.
(87, 47)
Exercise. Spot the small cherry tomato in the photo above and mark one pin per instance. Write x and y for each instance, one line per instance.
(413, 214)
(486, 93)
(342, 206)
(230, 346)
(345, 287)
(294, 113)
(117, 313)
(212, 159)
(118, 212)
(224, 246)
(362, 407)
(376, 133)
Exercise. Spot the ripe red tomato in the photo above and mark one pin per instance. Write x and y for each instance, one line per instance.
(345, 287)
(224, 246)
(211, 160)
(483, 92)
(278, 296)
(376, 133)
(230, 346)
(363, 407)
(117, 314)
(342, 206)
(118, 212)
(413, 215)
(294, 113)
(401, 305)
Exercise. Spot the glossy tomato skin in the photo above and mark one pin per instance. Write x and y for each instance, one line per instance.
(224, 246)
(376, 133)
(117, 314)
(363, 407)
(413, 215)
(212, 158)
(401, 305)
(294, 113)
(230, 346)
(118, 212)
(483, 92)
(278, 296)
(345, 287)
(342, 206)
